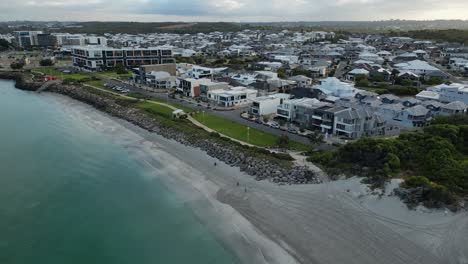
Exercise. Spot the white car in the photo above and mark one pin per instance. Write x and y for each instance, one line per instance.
(274, 125)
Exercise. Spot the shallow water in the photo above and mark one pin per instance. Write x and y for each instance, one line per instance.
(70, 195)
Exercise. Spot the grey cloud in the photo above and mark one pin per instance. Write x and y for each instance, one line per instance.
(232, 10)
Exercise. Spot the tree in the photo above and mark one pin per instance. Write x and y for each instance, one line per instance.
(282, 141)
(315, 138)
(281, 73)
(120, 69)
(406, 82)
(17, 65)
(363, 83)
(4, 45)
(434, 81)
(46, 62)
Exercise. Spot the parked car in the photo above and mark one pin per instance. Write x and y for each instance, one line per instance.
(292, 131)
(274, 125)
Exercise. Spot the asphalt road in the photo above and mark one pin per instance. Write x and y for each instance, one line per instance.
(232, 115)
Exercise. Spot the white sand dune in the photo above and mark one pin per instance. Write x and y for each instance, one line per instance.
(336, 222)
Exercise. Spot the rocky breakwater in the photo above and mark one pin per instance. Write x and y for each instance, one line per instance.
(19, 78)
(227, 151)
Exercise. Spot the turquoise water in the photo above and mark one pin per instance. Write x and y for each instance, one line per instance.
(69, 195)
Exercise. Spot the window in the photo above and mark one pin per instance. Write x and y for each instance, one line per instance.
(341, 126)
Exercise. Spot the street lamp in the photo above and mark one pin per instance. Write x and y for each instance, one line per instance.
(203, 116)
(248, 135)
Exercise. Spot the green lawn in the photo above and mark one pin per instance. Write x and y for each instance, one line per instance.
(113, 75)
(98, 83)
(156, 109)
(54, 72)
(241, 132)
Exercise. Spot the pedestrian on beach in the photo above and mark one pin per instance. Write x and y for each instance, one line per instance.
(215, 163)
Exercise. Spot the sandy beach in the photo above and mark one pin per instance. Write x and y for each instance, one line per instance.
(334, 222)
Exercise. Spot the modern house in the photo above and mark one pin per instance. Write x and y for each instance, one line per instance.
(233, 97)
(206, 87)
(267, 105)
(95, 58)
(356, 123)
(140, 74)
(191, 87)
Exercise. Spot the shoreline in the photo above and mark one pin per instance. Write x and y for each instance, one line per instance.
(194, 180)
(336, 222)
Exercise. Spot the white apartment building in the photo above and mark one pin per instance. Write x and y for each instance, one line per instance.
(94, 58)
(27, 38)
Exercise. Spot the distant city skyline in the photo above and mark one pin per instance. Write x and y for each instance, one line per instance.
(231, 10)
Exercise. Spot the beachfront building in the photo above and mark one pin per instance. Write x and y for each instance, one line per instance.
(233, 97)
(96, 58)
(356, 123)
(309, 113)
(267, 105)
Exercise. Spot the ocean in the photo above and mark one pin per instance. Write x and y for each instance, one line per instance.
(69, 195)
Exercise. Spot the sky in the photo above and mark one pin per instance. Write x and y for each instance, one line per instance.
(231, 10)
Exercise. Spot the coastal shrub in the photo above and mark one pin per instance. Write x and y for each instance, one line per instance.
(416, 181)
(404, 91)
(437, 154)
(46, 62)
(17, 65)
(282, 141)
(321, 157)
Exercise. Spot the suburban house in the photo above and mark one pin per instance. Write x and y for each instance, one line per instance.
(453, 108)
(415, 117)
(302, 81)
(351, 76)
(333, 87)
(418, 67)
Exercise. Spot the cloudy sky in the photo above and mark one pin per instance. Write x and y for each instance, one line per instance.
(231, 10)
